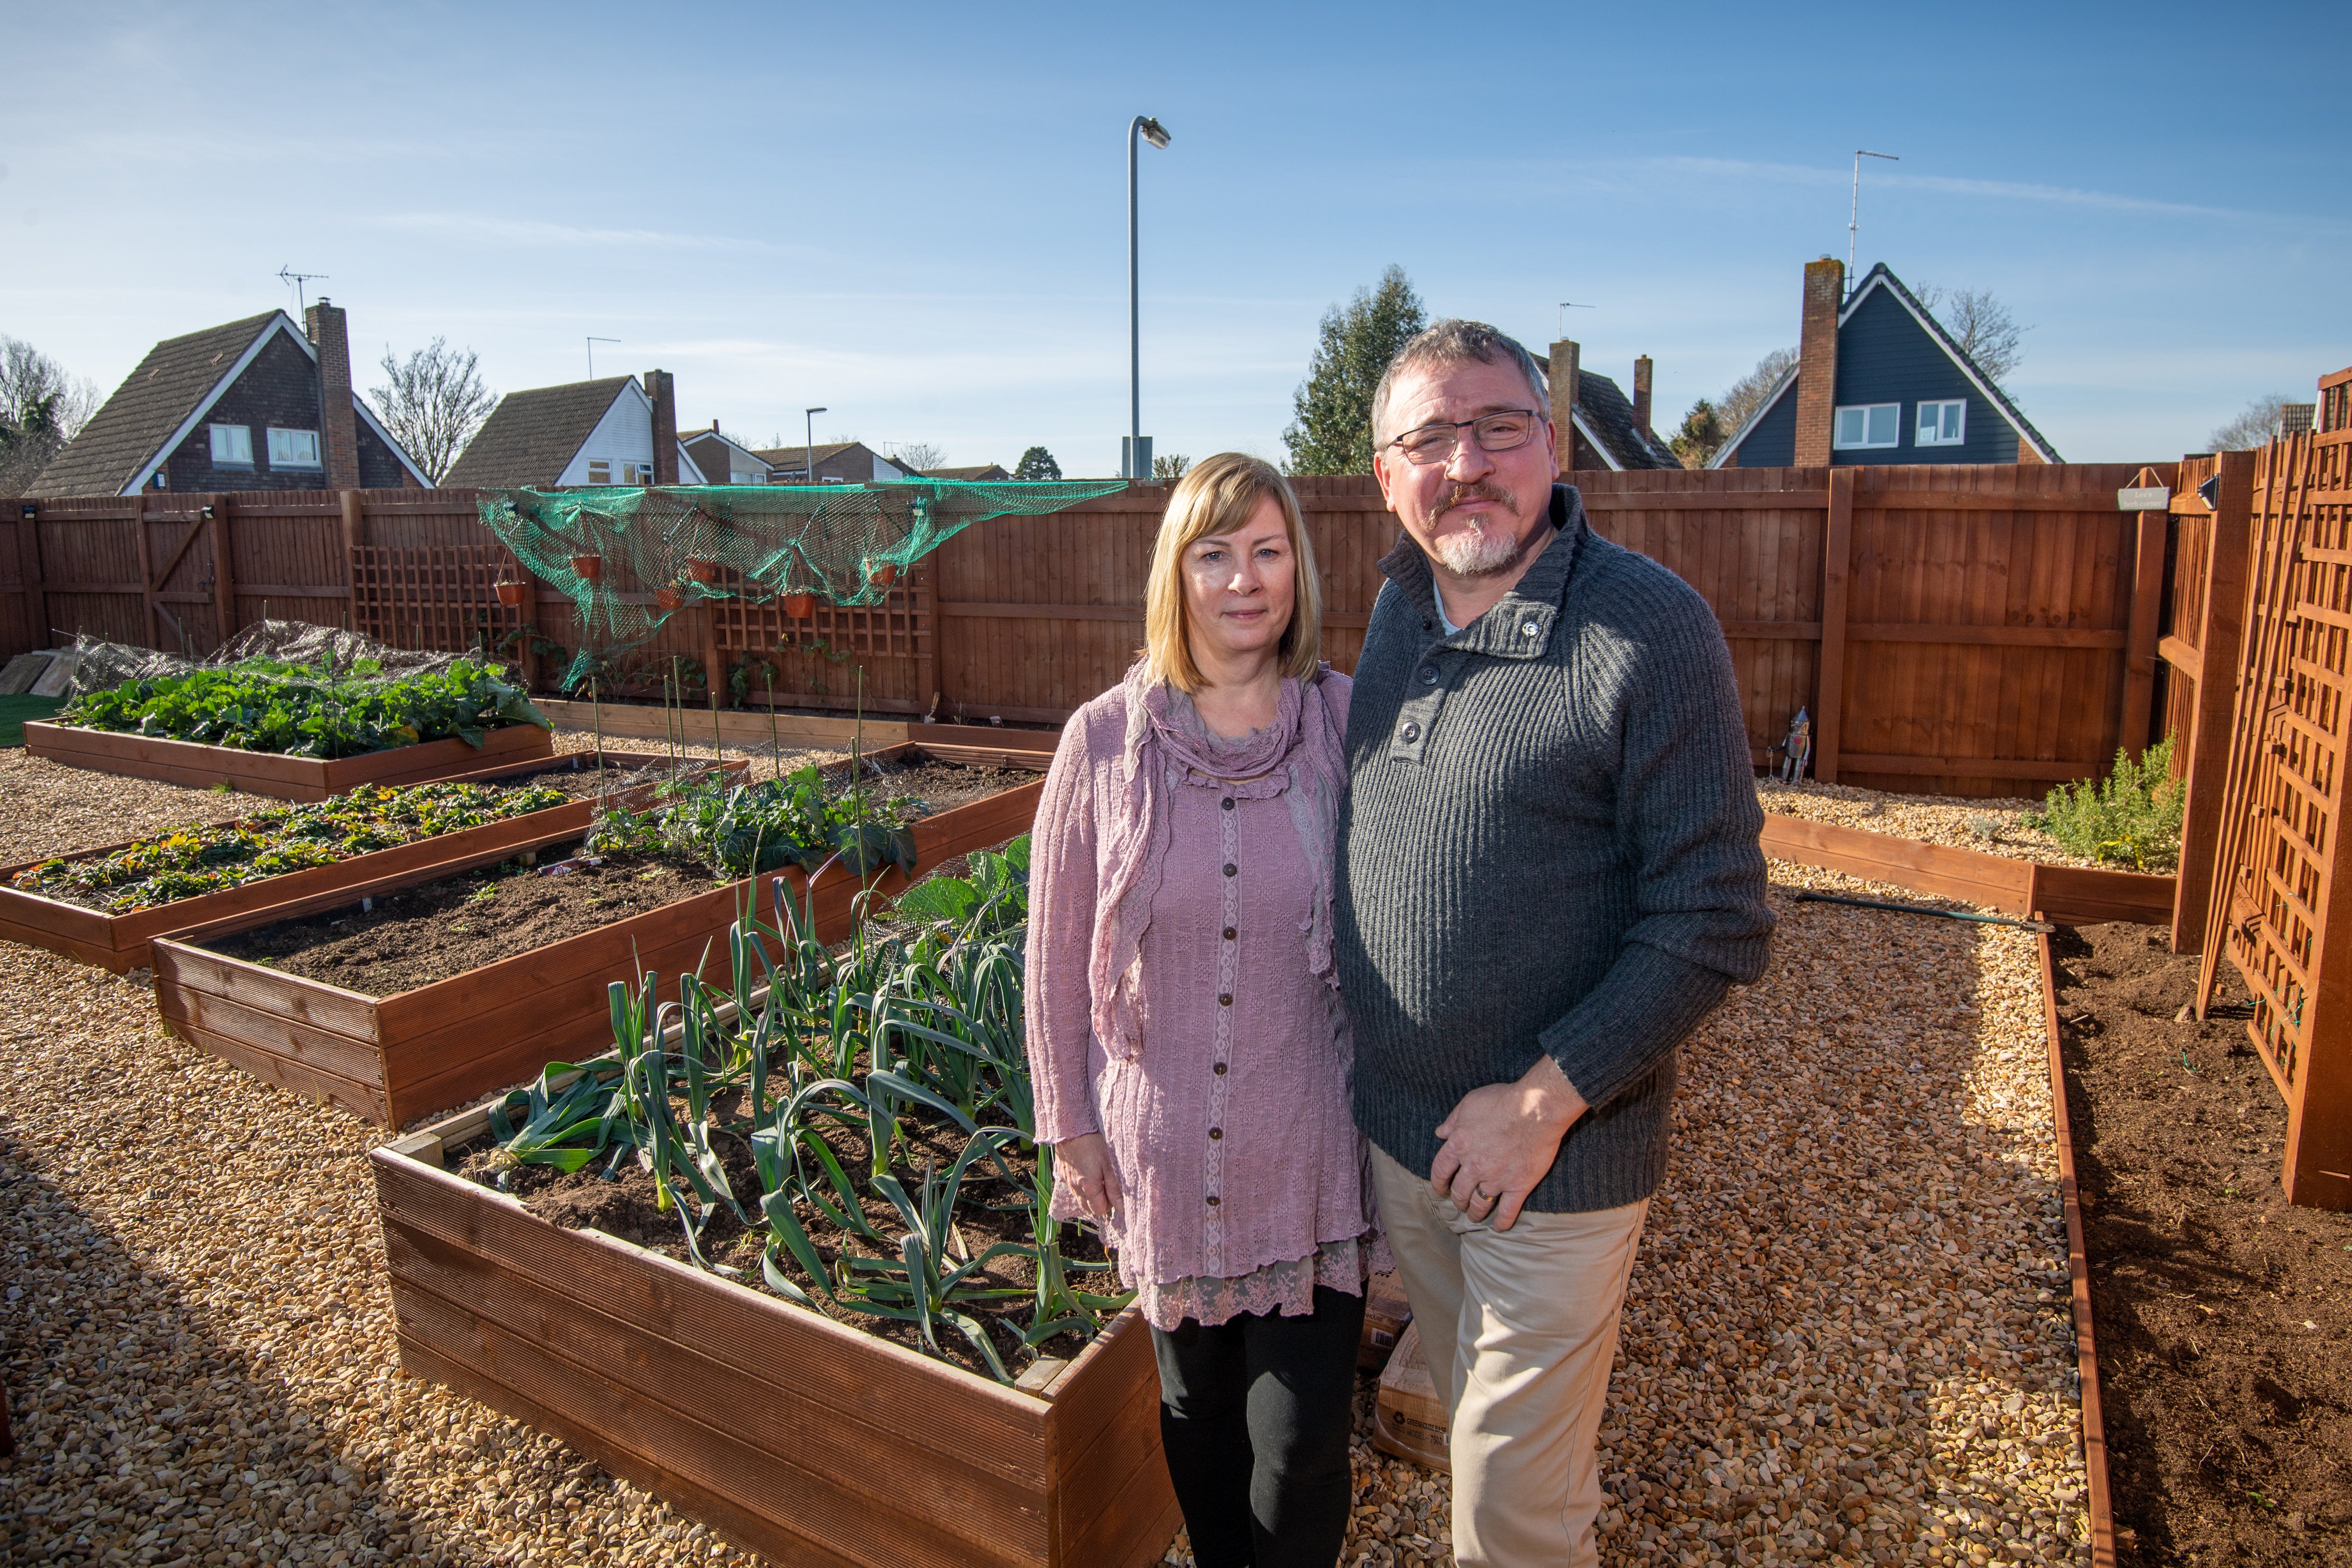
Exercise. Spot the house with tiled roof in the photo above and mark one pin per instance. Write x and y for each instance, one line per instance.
(606, 431)
(976, 473)
(722, 460)
(1600, 426)
(254, 405)
(1878, 380)
(837, 462)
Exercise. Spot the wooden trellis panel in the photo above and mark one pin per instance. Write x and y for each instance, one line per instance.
(443, 597)
(891, 642)
(2282, 894)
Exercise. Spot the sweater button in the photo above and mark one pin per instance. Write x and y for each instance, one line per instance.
(1215, 1134)
(1229, 934)
(1221, 1069)
(1228, 803)
(1229, 867)
(1527, 628)
(1213, 1200)
(1410, 733)
(1225, 1000)
(1429, 675)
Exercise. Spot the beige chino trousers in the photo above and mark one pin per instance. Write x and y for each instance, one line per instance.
(1520, 1330)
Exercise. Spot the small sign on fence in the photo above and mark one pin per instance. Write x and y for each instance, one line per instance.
(2144, 493)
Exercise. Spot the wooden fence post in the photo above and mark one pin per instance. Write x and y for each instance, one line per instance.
(146, 570)
(354, 510)
(2206, 769)
(28, 568)
(1837, 562)
(224, 570)
(2133, 723)
(925, 628)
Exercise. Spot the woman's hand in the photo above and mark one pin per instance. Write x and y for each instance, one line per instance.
(1084, 1162)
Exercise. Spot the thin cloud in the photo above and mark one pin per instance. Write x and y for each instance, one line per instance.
(538, 231)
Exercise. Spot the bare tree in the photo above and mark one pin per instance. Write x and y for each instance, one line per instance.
(41, 409)
(433, 402)
(1171, 466)
(2253, 428)
(1738, 405)
(1982, 324)
(916, 456)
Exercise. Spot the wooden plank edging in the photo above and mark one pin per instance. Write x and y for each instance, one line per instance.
(2073, 895)
(2099, 1502)
(273, 773)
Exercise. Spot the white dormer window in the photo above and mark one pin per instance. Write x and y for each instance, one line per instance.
(638, 473)
(293, 448)
(600, 473)
(233, 446)
(1868, 425)
(1944, 424)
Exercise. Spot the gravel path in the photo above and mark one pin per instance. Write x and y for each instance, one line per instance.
(48, 809)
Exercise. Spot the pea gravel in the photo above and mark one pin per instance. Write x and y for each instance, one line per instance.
(1846, 1341)
(1989, 826)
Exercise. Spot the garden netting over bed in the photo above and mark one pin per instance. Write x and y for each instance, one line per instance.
(608, 548)
(334, 653)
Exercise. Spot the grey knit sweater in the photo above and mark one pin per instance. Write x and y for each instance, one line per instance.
(1550, 843)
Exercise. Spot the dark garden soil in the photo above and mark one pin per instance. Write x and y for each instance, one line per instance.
(2222, 1314)
(940, 785)
(625, 1207)
(443, 929)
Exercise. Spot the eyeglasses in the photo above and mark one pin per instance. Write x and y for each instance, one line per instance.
(1502, 432)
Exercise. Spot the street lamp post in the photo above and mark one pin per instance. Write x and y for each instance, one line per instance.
(808, 453)
(1135, 462)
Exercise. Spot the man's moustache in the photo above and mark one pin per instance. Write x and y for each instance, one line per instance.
(1461, 494)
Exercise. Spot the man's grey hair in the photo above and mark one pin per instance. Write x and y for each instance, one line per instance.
(1458, 341)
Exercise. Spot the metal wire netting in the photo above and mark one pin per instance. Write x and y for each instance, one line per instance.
(101, 666)
(631, 557)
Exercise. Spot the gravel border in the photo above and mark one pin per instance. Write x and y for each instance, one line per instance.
(1989, 826)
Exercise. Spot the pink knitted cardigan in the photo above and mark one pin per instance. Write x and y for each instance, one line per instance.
(1226, 1104)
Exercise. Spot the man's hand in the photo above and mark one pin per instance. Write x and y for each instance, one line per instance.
(1085, 1163)
(1501, 1140)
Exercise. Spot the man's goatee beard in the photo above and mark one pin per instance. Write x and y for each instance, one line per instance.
(1480, 552)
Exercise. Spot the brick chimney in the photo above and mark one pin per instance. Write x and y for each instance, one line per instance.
(1817, 361)
(1563, 375)
(662, 388)
(1641, 396)
(339, 428)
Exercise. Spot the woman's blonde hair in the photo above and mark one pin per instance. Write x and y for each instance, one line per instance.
(1216, 497)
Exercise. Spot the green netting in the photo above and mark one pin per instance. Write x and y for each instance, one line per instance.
(612, 548)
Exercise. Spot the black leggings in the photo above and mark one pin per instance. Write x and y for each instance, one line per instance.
(1254, 1415)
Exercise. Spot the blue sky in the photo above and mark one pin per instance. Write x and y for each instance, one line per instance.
(916, 214)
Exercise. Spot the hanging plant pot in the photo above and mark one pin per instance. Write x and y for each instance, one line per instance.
(510, 594)
(702, 571)
(885, 575)
(670, 599)
(590, 567)
(800, 607)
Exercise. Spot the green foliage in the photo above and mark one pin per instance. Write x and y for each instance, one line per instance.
(1037, 463)
(837, 1068)
(1701, 436)
(1171, 466)
(1333, 431)
(2131, 818)
(260, 705)
(766, 825)
(189, 861)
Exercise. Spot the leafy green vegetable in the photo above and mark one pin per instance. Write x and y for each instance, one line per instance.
(2132, 819)
(764, 826)
(189, 861)
(261, 705)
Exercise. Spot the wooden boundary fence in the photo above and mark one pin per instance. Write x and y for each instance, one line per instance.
(1951, 629)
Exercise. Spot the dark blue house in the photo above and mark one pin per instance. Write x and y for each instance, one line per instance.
(1904, 391)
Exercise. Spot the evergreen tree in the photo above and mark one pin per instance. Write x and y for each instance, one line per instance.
(1037, 463)
(1701, 434)
(1333, 431)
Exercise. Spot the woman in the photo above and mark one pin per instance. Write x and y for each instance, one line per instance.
(1189, 1049)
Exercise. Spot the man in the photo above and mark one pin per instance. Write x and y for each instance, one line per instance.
(1549, 874)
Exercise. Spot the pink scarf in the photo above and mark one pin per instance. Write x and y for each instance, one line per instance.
(1166, 739)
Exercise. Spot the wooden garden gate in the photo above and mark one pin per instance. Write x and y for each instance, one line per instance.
(2281, 905)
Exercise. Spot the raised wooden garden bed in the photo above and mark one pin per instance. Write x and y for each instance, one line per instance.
(270, 773)
(788, 1434)
(121, 942)
(394, 1059)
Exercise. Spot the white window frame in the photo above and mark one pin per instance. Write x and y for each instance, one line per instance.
(1923, 435)
(236, 438)
(600, 471)
(1837, 422)
(289, 460)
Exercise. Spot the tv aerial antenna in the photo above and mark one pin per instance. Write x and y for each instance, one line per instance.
(592, 354)
(1565, 307)
(294, 280)
(1853, 217)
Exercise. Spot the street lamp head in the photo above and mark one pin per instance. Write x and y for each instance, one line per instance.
(1153, 131)
(813, 411)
